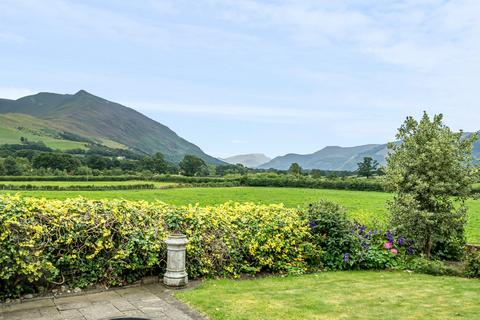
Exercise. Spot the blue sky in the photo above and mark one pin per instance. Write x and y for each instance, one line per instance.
(254, 76)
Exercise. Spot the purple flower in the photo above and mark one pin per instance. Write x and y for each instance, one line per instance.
(346, 257)
(410, 251)
(365, 245)
(401, 241)
(389, 236)
(313, 224)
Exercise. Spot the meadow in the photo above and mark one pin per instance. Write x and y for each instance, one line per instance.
(338, 295)
(364, 206)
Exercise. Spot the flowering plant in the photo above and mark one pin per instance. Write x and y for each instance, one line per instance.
(381, 249)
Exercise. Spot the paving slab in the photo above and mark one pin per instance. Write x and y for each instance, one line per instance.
(152, 302)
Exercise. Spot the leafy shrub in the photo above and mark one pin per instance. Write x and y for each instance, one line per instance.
(78, 241)
(81, 242)
(333, 233)
(382, 249)
(349, 245)
(138, 186)
(472, 265)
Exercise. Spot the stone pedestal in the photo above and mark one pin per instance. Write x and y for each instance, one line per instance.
(176, 276)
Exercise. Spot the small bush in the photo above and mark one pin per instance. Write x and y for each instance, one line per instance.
(349, 245)
(333, 233)
(472, 265)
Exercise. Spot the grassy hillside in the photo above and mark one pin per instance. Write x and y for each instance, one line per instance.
(104, 122)
(15, 126)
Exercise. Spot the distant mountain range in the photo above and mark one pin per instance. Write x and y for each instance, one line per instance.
(338, 158)
(65, 121)
(251, 160)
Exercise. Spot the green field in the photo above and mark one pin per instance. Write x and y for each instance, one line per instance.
(338, 295)
(360, 204)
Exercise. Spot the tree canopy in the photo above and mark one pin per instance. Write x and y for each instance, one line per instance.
(430, 172)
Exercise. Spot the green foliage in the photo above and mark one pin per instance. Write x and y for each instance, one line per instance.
(11, 167)
(77, 241)
(91, 187)
(368, 167)
(224, 169)
(82, 242)
(472, 264)
(155, 163)
(54, 161)
(433, 267)
(332, 232)
(295, 169)
(192, 165)
(431, 165)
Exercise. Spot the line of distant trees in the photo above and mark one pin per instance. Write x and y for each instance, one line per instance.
(37, 159)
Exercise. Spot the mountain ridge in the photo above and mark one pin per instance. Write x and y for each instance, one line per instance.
(338, 158)
(94, 117)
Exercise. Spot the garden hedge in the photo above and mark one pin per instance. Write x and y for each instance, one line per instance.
(17, 187)
(81, 242)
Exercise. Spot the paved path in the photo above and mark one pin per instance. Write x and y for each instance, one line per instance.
(152, 302)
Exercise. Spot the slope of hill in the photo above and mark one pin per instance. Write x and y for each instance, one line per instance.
(104, 122)
(251, 160)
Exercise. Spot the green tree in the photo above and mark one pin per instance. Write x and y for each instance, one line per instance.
(11, 167)
(55, 161)
(192, 165)
(368, 167)
(2, 169)
(155, 163)
(295, 169)
(430, 172)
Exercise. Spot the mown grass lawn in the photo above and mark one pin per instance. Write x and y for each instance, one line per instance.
(360, 204)
(338, 295)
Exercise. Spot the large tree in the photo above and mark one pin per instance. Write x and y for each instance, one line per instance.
(11, 167)
(430, 172)
(192, 165)
(295, 169)
(155, 163)
(368, 167)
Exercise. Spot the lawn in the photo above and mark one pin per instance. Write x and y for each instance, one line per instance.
(338, 295)
(361, 204)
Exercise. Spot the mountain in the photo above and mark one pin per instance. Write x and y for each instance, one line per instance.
(330, 158)
(340, 158)
(251, 160)
(92, 118)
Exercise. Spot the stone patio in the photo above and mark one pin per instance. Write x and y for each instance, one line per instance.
(154, 302)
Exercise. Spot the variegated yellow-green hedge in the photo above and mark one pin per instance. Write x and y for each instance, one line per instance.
(81, 242)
